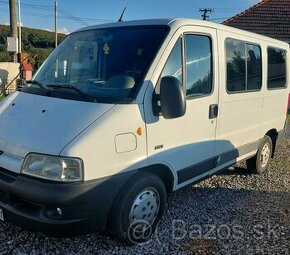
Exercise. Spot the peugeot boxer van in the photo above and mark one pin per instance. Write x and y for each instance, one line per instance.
(122, 114)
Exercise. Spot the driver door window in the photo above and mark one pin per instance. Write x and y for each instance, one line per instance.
(198, 65)
(198, 59)
(173, 66)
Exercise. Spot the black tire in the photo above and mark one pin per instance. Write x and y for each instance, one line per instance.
(124, 222)
(260, 162)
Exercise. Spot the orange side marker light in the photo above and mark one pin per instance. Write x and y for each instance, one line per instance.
(139, 131)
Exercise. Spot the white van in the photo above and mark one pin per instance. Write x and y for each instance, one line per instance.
(122, 114)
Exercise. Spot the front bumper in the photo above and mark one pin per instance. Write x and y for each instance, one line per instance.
(32, 203)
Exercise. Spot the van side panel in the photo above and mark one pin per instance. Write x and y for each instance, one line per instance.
(246, 117)
(274, 110)
(240, 113)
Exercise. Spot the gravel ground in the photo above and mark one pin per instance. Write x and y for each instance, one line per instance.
(231, 213)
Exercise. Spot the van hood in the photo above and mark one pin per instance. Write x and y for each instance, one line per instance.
(34, 123)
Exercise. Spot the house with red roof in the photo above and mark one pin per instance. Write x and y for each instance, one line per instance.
(268, 17)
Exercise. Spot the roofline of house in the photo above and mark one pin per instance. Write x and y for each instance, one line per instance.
(228, 21)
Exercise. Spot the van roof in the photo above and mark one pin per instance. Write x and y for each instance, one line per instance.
(169, 22)
(130, 23)
(179, 22)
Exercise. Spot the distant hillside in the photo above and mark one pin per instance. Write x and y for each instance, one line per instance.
(38, 43)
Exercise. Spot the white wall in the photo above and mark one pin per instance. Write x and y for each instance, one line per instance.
(8, 71)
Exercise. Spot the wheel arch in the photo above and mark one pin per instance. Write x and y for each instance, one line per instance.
(273, 134)
(164, 173)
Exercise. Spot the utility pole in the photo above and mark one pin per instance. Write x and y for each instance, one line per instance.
(13, 25)
(206, 11)
(19, 21)
(55, 21)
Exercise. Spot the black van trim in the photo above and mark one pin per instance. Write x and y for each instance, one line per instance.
(31, 203)
(211, 163)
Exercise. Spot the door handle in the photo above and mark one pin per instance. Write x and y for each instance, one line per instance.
(213, 111)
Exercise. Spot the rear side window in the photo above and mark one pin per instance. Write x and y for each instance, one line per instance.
(244, 66)
(276, 68)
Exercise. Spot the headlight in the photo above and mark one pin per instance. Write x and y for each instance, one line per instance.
(53, 168)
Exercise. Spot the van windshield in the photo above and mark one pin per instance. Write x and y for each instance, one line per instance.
(106, 65)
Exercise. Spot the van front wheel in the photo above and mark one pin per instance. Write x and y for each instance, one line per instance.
(138, 208)
(260, 162)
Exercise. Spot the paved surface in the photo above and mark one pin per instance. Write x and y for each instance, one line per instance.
(231, 213)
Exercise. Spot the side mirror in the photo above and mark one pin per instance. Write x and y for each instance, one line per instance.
(172, 98)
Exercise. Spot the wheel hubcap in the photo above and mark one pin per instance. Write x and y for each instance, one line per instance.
(265, 155)
(145, 207)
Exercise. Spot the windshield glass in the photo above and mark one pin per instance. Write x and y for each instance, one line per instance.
(105, 64)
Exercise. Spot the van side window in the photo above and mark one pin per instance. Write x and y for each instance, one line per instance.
(173, 66)
(254, 67)
(198, 65)
(276, 68)
(244, 66)
(236, 65)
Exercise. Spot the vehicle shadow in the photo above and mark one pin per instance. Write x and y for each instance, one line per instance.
(235, 170)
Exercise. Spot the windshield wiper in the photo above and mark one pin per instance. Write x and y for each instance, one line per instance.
(66, 86)
(39, 84)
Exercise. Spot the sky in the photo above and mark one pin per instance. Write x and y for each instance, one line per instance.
(74, 14)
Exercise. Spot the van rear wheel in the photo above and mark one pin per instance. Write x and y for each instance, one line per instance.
(138, 208)
(260, 162)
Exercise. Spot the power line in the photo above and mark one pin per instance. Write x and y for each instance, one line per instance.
(35, 5)
(65, 14)
(73, 17)
(50, 16)
(222, 18)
